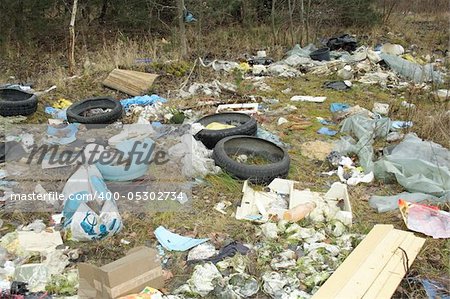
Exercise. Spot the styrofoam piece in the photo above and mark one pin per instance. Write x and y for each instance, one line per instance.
(247, 108)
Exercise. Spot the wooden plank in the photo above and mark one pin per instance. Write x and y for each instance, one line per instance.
(353, 262)
(376, 260)
(394, 271)
(131, 82)
(375, 268)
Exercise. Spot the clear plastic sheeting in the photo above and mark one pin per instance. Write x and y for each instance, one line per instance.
(413, 71)
(419, 166)
(390, 203)
(365, 130)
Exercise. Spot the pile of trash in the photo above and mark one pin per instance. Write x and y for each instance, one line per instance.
(384, 64)
(303, 238)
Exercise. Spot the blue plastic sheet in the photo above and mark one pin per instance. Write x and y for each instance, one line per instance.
(398, 124)
(142, 101)
(56, 113)
(175, 242)
(266, 135)
(63, 135)
(335, 107)
(327, 131)
(435, 290)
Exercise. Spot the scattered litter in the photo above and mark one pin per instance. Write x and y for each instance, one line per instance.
(308, 99)
(195, 157)
(336, 107)
(282, 121)
(392, 49)
(220, 65)
(390, 203)
(201, 252)
(258, 70)
(243, 285)
(42, 242)
(394, 136)
(401, 124)
(266, 135)
(425, 219)
(443, 94)
(345, 73)
(408, 105)
(62, 104)
(282, 71)
(338, 85)
(229, 250)
(37, 226)
(344, 42)
(214, 88)
(247, 108)
(327, 131)
(223, 205)
(202, 280)
(175, 242)
(270, 230)
(144, 100)
(299, 212)
(380, 108)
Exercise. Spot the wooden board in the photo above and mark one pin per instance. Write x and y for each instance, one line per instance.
(130, 82)
(376, 266)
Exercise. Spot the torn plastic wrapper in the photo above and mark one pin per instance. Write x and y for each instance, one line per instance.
(195, 157)
(413, 71)
(141, 101)
(365, 130)
(175, 242)
(417, 165)
(390, 203)
(425, 219)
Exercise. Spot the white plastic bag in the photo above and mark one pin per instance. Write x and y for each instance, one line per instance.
(85, 185)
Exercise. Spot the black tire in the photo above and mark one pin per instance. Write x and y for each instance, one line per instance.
(17, 102)
(279, 158)
(75, 111)
(245, 125)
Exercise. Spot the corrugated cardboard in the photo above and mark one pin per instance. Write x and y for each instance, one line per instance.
(131, 274)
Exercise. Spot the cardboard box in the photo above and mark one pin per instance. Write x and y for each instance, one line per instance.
(131, 274)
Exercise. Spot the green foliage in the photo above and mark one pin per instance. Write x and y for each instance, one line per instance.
(63, 284)
(358, 13)
(177, 69)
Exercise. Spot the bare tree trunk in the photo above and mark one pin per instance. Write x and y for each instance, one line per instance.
(272, 14)
(183, 42)
(291, 7)
(71, 56)
(102, 16)
(308, 15)
(302, 20)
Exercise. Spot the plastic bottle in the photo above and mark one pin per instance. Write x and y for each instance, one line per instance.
(299, 212)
